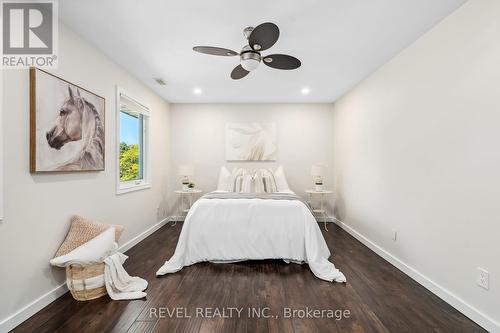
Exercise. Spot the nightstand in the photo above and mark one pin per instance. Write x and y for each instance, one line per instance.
(186, 196)
(321, 209)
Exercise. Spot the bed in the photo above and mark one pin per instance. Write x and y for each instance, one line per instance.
(229, 227)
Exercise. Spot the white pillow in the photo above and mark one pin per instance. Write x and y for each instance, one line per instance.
(246, 183)
(225, 182)
(236, 179)
(268, 182)
(92, 252)
(279, 177)
(258, 181)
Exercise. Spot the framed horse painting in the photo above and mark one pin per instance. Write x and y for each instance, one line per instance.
(66, 125)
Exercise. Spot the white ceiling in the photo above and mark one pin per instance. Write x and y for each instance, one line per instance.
(340, 42)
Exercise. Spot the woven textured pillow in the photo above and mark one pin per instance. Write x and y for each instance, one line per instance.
(81, 231)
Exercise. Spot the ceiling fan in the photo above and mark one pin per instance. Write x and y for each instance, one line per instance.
(260, 38)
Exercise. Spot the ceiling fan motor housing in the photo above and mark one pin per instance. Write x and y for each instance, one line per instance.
(247, 32)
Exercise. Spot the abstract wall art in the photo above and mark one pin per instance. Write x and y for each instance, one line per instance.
(251, 141)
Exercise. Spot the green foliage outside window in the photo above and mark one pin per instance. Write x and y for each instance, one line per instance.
(129, 161)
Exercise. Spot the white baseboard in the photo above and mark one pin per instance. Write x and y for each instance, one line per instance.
(447, 296)
(176, 218)
(29, 310)
(329, 219)
(134, 241)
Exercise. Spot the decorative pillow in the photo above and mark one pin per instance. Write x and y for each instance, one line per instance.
(258, 182)
(281, 183)
(268, 182)
(247, 183)
(236, 181)
(225, 182)
(83, 230)
(238, 184)
(243, 181)
(91, 252)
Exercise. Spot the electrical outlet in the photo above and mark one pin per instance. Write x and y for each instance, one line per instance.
(394, 235)
(483, 278)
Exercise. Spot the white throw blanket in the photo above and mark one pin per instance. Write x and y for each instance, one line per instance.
(229, 230)
(119, 284)
(103, 248)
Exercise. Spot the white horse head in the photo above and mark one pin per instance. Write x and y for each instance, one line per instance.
(78, 119)
(68, 124)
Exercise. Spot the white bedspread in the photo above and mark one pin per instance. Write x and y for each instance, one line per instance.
(228, 230)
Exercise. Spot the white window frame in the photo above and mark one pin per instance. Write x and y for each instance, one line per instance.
(145, 182)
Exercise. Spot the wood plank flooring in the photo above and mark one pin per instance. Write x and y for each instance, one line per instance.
(379, 297)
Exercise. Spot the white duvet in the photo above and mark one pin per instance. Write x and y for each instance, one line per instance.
(228, 230)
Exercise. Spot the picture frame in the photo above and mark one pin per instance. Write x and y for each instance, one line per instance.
(251, 141)
(67, 126)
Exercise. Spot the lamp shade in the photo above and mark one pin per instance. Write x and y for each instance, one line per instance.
(186, 170)
(317, 170)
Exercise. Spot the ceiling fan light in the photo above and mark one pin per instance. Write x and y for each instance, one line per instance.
(249, 64)
(250, 60)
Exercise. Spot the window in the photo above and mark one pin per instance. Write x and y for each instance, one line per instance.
(132, 130)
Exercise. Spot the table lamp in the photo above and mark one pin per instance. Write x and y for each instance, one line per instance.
(186, 171)
(317, 174)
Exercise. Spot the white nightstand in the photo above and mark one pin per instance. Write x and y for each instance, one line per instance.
(186, 196)
(321, 209)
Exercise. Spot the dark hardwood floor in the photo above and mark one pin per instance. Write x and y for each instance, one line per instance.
(379, 297)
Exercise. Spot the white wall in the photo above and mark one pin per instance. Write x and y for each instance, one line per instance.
(38, 206)
(304, 138)
(417, 149)
(1, 147)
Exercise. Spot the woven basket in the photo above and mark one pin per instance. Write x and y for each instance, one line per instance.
(82, 273)
(81, 231)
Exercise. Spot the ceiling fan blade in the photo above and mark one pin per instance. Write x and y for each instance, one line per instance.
(239, 73)
(282, 61)
(264, 36)
(218, 51)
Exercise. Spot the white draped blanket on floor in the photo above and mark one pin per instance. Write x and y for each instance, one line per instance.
(231, 230)
(119, 284)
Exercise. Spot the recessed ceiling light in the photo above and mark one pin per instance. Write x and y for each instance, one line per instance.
(305, 91)
(197, 91)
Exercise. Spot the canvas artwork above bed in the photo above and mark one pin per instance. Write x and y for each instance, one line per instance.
(251, 142)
